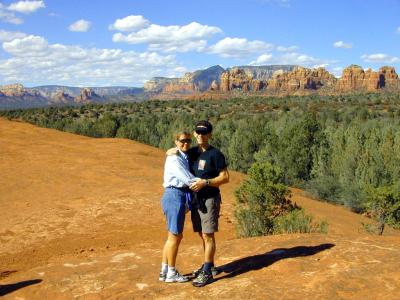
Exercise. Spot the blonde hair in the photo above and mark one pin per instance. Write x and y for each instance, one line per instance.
(181, 132)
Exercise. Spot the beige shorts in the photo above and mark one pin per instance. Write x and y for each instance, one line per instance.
(205, 220)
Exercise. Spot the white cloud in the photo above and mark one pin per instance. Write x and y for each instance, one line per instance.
(341, 44)
(9, 17)
(300, 59)
(287, 49)
(171, 38)
(398, 29)
(238, 47)
(292, 59)
(380, 58)
(262, 60)
(130, 23)
(35, 61)
(80, 26)
(26, 7)
(7, 36)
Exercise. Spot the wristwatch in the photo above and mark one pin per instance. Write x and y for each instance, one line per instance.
(207, 182)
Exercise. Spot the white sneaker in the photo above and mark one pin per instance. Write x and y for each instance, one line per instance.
(162, 276)
(176, 277)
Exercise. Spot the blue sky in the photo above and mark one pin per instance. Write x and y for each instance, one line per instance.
(120, 42)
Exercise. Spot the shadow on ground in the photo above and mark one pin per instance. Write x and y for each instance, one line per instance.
(257, 262)
(9, 288)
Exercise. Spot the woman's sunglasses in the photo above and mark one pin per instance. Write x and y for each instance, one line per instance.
(183, 141)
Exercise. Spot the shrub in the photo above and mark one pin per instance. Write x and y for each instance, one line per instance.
(261, 198)
(384, 205)
(297, 221)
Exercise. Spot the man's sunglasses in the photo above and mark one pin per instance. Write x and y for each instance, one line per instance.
(183, 141)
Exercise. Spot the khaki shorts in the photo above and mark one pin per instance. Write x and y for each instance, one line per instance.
(206, 220)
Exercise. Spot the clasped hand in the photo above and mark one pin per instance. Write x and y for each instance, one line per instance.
(198, 185)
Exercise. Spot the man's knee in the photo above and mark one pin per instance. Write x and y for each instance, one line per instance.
(208, 237)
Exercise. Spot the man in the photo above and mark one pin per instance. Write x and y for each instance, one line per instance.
(208, 163)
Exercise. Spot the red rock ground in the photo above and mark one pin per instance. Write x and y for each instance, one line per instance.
(81, 219)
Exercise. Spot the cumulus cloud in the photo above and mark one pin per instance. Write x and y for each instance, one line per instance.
(293, 58)
(287, 49)
(80, 26)
(238, 47)
(341, 44)
(171, 38)
(26, 7)
(380, 58)
(6, 36)
(262, 60)
(398, 29)
(9, 17)
(130, 23)
(35, 61)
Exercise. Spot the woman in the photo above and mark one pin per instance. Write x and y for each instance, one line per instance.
(175, 201)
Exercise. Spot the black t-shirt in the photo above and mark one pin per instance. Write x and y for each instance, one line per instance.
(206, 165)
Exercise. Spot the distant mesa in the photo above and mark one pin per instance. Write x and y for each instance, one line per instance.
(87, 96)
(213, 82)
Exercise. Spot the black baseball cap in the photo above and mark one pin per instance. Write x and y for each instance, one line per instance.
(203, 127)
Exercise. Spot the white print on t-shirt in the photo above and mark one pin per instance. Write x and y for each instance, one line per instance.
(202, 164)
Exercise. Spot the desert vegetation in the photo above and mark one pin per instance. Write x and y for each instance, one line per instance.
(338, 148)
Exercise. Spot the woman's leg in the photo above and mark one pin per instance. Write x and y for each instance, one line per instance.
(171, 247)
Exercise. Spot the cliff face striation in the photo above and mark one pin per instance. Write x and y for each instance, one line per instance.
(301, 80)
(87, 96)
(354, 78)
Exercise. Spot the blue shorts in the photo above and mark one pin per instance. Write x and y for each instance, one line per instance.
(174, 205)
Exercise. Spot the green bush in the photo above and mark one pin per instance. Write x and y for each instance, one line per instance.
(297, 221)
(261, 198)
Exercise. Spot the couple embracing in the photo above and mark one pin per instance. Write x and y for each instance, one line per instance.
(192, 177)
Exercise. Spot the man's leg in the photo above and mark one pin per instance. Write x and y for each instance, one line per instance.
(209, 247)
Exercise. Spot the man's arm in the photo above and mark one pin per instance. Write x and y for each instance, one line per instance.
(222, 178)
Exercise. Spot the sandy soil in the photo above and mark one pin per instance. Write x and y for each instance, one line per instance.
(81, 219)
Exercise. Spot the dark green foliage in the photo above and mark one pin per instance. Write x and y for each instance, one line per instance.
(260, 199)
(263, 205)
(384, 205)
(297, 221)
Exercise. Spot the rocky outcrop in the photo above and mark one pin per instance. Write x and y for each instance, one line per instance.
(297, 79)
(249, 78)
(17, 96)
(354, 78)
(62, 98)
(87, 96)
(236, 79)
(388, 78)
(301, 79)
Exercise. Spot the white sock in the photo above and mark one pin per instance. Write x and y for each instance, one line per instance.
(164, 268)
(171, 270)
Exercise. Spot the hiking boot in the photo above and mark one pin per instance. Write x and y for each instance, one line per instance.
(176, 277)
(214, 271)
(203, 279)
(162, 276)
